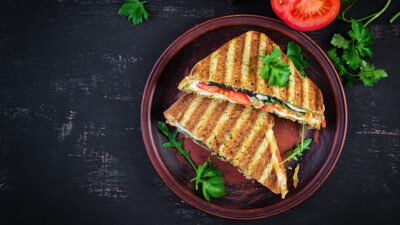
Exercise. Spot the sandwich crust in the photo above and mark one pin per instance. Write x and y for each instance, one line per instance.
(241, 135)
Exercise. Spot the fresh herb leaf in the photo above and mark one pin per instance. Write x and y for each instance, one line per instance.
(210, 178)
(339, 41)
(134, 10)
(354, 51)
(370, 75)
(352, 58)
(274, 69)
(294, 53)
(299, 149)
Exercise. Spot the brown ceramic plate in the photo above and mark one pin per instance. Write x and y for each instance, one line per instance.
(246, 199)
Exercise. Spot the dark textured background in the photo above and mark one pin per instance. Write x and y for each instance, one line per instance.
(72, 75)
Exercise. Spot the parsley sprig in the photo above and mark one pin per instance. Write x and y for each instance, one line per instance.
(134, 10)
(299, 149)
(210, 178)
(349, 56)
(274, 69)
(293, 51)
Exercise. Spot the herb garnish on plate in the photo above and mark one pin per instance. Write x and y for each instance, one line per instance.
(299, 149)
(212, 183)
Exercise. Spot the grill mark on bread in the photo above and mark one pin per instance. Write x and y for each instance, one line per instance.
(188, 113)
(254, 61)
(260, 164)
(241, 134)
(248, 153)
(184, 102)
(220, 131)
(221, 65)
(211, 122)
(201, 108)
(213, 64)
(259, 124)
(244, 78)
(232, 126)
(237, 62)
(230, 57)
(210, 109)
(202, 69)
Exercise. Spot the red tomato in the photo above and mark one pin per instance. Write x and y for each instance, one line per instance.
(306, 15)
(206, 87)
(323, 122)
(238, 97)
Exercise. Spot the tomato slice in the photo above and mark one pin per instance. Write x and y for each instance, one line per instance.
(238, 97)
(323, 122)
(306, 15)
(209, 88)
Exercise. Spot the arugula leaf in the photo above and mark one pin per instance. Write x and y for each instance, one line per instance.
(210, 179)
(207, 175)
(370, 75)
(299, 149)
(274, 69)
(134, 10)
(294, 53)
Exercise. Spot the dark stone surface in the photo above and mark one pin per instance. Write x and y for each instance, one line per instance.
(72, 75)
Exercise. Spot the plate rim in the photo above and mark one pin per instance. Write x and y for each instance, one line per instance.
(238, 214)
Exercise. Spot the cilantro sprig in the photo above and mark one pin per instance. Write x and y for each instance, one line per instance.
(210, 178)
(293, 51)
(299, 149)
(134, 10)
(349, 56)
(274, 69)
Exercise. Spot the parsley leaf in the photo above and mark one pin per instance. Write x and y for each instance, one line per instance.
(274, 69)
(339, 41)
(210, 178)
(364, 39)
(352, 58)
(134, 10)
(354, 50)
(299, 149)
(294, 53)
(370, 75)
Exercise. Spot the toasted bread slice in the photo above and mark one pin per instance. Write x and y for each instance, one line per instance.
(241, 135)
(236, 66)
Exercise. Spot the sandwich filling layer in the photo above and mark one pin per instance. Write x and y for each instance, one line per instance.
(246, 97)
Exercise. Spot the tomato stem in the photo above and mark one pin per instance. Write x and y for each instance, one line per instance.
(370, 17)
(394, 17)
(378, 13)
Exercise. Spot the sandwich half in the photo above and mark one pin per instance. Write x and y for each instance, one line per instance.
(232, 73)
(240, 135)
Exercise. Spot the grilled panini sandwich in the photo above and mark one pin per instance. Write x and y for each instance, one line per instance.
(241, 135)
(232, 73)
